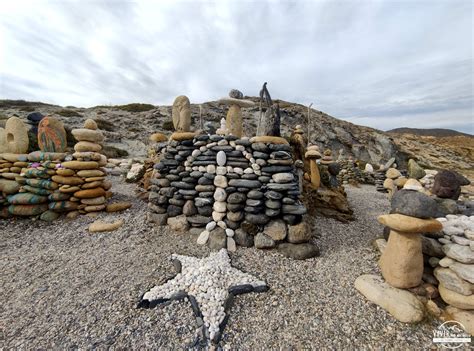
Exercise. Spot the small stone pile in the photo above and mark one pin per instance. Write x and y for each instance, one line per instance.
(83, 176)
(380, 177)
(351, 173)
(240, 191)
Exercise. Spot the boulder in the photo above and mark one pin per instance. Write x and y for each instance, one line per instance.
(217, 239)
(276, 230)
(414, 170)
(414, 204)
(84, 134)
(299, 233)
(392, 173)
(181, 114)
(90, 124)
(14, 138)
(178, 223)
(242, 238)
(51, 135)
(401, 304)
(298, 251)
(446, 185)
(263, 241)
(87, 146)
(453, 282)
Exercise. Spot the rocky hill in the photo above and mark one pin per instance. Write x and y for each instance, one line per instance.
(127, 128)
(434, 132)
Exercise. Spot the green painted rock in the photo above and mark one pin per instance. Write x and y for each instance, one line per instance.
(51, 135)
(26, 199)
(61, 206)
(40, 183)
(38, 156)
(27, 210)
(58, 196)
(9, 186)
(36, 173)
(37, 191)
(49, 216)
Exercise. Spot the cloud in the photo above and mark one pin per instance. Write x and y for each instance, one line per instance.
(382, 64)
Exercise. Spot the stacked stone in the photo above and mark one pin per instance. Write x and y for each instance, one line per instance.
(428, 180)
(83, 175)
(350, 172)
(231, 186)
(379, 176)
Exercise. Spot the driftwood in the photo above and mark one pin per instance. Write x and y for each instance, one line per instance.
(270, 123)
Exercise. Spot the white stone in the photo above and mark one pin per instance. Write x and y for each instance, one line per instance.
(240, 147)
(229, 232)
(460, 240)
(248, 171)
(465, 271)
(218, 216)
(220, 195)
(195, 153)
(221, 158)
(231, 244)
(203, 237)
(202, 169)
(211, 169)
(210, 226)
(238, 170)
(459, 253)
(283, 177)
(230, 169)
(255, 167)
(220, 206)
(220, 181)
(222, 224)
(446, 262)
(203, 148)
(221, 170)
(369, 168)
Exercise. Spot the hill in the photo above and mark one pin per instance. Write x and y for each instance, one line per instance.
(435, 132)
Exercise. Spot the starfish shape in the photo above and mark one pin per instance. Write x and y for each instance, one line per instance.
(210, 284)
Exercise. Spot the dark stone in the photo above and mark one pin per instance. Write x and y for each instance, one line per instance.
(195, 174)
(298, 251)
(216, 137)
(205, 188)
(202, 137)
(243, 190)
(254, 202)
(217, 239)
(205, 210)
(282, 186)
(288, 201)
(298, 209)
(245, 183)
(242, 165)
(176, 202)
(205, 181)
(280, 155)
(250, 176)
(249, 228)
(195, 306)
(206, 194)
(273, 204)
(199, 221)
(254, 210)
(189, 209)
(255, 194)
(168, 192)
(182, 185)
(178, 295)
(258, 219)
(447, 206)
(242, 238)
(174, 211)
(262, 155)
(277, 169)
(241, 289)
(447, 185)
(225, 148)
(244, 142)
(177, 265)
(264, 179)
(386, 232)
(291, 219)
(270, 212)
(273, 195)
(260, 147)
(279, 147)
(35, 117)
(230, 189)
(187, 192)
(231, 224)
(172, 177)
(414, 204)
(235, 207)
(334, 168)
(189, 180)
(199, 202)
(232, 176)
(236, 198)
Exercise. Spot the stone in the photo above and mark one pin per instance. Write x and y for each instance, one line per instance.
(157, 218)
(220, 194)
(87, 146)
(90, 124)
(263, 241)
(178, 223)
(299, 233)
(393, 173)
(401, 263)
(238, 102)
(414, 170)
(457, 300)
(269, 140)
(100, 226)
(181, 114)
(94, 201)
(369, 168)
(118, 206)
(276, 230)
(80, 165)
(245, 183)
(401, 304)
(9, 186)
(83, 134)
(413, 184)
(221, 158)
(51, 135)
(49, 216)
(283, 177)
(464, 271)
(235, 216)
(236, 198)
(27, 210)
(189, 209)
(466, 318)
(26, 199)
(203, 237)
(63, 206)
(220, 181)
(453, 282)
(14, 138)
(89, 193)
(258, 219)
(414, 204)
(210, 226)
(217, 239)
(242, 238)
(431, 247)
(460, 253)
(234, 121)
(298, 251)
(67, 180)
(135, 173)
(446, 185)
(407, 224)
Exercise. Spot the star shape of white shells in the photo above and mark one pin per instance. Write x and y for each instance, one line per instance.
(208, 279)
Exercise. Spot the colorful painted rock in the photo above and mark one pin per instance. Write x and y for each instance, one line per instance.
(58, 196)
(51, 135)
(61, 206)
(38, 156)
(9, 186)
(26, 199)
(37, 191)
(36, 173)
(49, 216)
(27, 210)
(39, 183)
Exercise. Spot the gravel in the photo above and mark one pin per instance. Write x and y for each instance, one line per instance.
(63, 287)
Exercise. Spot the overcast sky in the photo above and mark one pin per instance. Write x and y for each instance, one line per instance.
(383, 64)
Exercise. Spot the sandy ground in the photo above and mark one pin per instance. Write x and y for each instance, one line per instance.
(63, 287)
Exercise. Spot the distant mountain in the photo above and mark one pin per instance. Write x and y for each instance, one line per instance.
(436, 132)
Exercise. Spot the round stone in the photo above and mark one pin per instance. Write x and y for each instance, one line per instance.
(14, 138)
(90, 124)
(220, 206)
(51, 135)
(220, 194)
(229, 232)
(220, 181)
(221, 158)
(94, 136)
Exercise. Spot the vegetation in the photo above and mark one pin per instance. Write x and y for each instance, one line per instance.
(20, 103)
(104, 124)
(68, 113)
(168, 125)
(27, 109)
(136, 107)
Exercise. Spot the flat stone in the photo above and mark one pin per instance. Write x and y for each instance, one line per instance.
(401, 304)
(457, 300)
(80, 165)
(459, 253)
(452, 281)
(203, 238)
(294, 209)
(257, 219)
(298, 251)
(283, 177)
(100, 226)
(414, 204)
(431, 247)
(409, 224)
(465, 271)
(245, 183)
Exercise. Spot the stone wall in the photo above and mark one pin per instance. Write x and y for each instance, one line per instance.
(243, 191)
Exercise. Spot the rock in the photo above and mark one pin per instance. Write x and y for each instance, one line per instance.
(94, 201)
(446, 185)
(181, 136)
(14, 138)
(178, 223)
(431, 247)
(258, 219)
(49, 216)
(393, 173)
(118, 206)
(268, 139)
(87, 146)
(9, 186)
(459, 253)
(465, 271)
(51, 135)
(414, 170)
(369, 168)
(401, 304)
(221, 158)
(80, 164)
(413, 184)
(380, 244)
(189, 209)
(210, 226)
(298, 251)
(181, 114)
(234, 122)
(236, 198)
(159, 219)
(63, 206)
(402, 261)
(27, 210)
(220, 194)
(90, 124)
(453, 282)
(276, 230)
(294, 209)
(203, 237)
(231, 244)
(220, 181)
(457, 300)
(26, 199)
(409, 224)
(217, 239)
(466, 318)
(414, 204)
(245, 183)
(89, 193)
(100, 226)
(242, 238)
(283, 177)
(299, 233)
(263, 241)
(67, 180)
(135, 173)
(83, 134)
(236, 94)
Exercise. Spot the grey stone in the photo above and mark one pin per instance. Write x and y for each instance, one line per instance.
(217, 239)
(256, 218)
(263, 241)
(414, 204)
(298, 251)
(242, 238)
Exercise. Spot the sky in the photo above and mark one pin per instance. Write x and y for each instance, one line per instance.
(383, 64)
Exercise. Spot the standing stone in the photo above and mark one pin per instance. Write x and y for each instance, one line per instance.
(181, 114)
(14, 138)
(234, 121)
(221, 158)
(51, 135)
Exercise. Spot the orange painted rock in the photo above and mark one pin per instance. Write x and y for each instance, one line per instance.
(93, 185)
(51, 135)
(89, 193)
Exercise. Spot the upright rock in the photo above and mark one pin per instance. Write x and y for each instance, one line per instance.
(181, 114)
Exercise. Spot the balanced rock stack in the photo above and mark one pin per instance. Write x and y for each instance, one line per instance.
(380, 175)
(83, 176)
(233, 187)
(350, 172)
(234, 121)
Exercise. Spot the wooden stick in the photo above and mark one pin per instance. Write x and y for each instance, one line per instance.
(309, 121)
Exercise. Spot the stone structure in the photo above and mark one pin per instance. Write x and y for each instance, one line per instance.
(312, 154)
(234, 122)
(270, 123)
(181, 114)
(14, 138)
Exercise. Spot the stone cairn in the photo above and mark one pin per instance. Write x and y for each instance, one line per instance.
(234, 120)
(236, 191)
(49, 182)
(350, 172)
